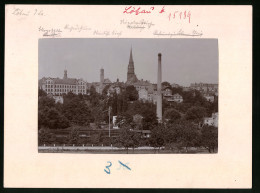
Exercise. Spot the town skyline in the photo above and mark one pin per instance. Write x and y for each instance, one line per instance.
(197, 60)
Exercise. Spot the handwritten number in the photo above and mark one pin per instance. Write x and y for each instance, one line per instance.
(125, 165)
(108, 171)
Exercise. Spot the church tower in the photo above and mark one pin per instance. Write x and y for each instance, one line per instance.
(65, 74)
(131, 77)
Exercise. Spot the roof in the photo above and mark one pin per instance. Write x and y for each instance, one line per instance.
(166, 87)
(142, 82)
(177, 94)
(65, 81)
(70, 81)
(107, 81)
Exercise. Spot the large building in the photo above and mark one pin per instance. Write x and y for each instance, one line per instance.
(58, 87)
(205, 88)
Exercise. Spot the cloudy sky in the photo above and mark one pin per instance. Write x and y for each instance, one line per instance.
(184, 61)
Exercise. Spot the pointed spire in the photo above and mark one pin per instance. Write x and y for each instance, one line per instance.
(131, 57)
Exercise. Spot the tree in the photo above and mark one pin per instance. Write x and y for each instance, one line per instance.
(124, 138)
(74, 136)
(41, 93)
(171, 115)
(131, 93)
(166, 84)
(104, 91)
(196, 114)
(55, 119)
(45, 101)
(124, 119)
(94, 97)
(178, 90)
(92, 91)
(43, 136)
(188, 135)
(49, 116)
(209, 137)
(158, 136)
(177, 134)
(77, 111)
(149, 120)
(128, 138)
(114, 104)
(136, 138)
(95, 138)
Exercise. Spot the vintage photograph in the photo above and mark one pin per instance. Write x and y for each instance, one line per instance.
(128, 95)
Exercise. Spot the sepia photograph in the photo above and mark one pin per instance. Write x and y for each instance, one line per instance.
(128, 95)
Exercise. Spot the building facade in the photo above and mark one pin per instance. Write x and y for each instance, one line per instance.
(212, 121)
(205, 87)
(58, 87)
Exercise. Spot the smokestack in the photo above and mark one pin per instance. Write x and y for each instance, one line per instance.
(101, 76)
(159, 89)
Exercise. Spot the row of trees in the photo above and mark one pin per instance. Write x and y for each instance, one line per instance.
(173, 133)
(175, 136)
(84, 109)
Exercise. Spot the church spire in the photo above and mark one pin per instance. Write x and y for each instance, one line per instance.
(131, 69)
(131, 61)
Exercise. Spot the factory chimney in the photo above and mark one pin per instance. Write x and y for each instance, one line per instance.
(159, 89)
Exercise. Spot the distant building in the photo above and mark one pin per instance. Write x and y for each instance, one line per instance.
(116, 87)
(167, 94)
(143, 94)
(115, 126)
(175, 85)
(186, 89)
(58, 99)
(209, 98)
(212, 121)
(154, 97)
(204, 87)
(99, 86)
(167, 91)
(141, 84)
(177, 98)
(58, 87)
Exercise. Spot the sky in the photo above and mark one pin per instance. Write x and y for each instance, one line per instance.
(184, 61)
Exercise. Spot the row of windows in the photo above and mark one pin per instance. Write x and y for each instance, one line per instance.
(59, 94)
(64, 90)
(64, 86)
